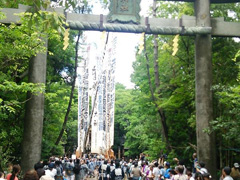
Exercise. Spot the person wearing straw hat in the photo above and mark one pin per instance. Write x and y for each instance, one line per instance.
(235, 172)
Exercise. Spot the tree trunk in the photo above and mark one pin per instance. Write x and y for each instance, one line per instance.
(206, 147)
(159, 110)
(33, 122)
(157, 81)
(71, 94)
(156, 73)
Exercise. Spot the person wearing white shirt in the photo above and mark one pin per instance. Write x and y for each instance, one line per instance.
(51, 171)
(226, 171)
(156, 171)
(2, 176)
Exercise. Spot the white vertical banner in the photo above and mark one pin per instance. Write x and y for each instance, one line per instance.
(83, 99)
(103, 76)
(79, 108)
(97, 121)
(112, 86)
(94, 108)
(100, 126)
(108, 97)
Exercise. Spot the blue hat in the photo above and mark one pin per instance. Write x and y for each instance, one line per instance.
(51, 165)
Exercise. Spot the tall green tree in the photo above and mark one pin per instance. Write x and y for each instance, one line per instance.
(177, 77)
(31, 29)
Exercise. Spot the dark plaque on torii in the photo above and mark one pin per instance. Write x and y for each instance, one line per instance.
(124, 11)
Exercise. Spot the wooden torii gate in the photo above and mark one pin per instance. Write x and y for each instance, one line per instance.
(202, 26)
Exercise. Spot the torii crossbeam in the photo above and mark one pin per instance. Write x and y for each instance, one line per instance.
(187, 25)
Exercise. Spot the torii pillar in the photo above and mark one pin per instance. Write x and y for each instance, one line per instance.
(206, 147)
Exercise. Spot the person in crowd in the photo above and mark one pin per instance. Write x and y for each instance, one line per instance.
(156, 171)
(96, 173)
(142, 157)
(182, 163)
(125, 169)
(112, 166)
(91, 168)
(180, 176)
(76, 170)
(198, 176)
(172, 173)
(226, 171)
(69, 170)
(140, 161)
(51, 171)
(201, 168)
(40, 172)
(46, 177)
(130, 165)
(167, 169)
(149, 173)
(9, 168)
(122, 162)
(59, 169)
(2, 176)
(15, 171)
(104, 171)
(83, 170)
(195, 163)
(235, 172)
(31, 175)
(162, 171)
(136, 172)
(117, 173)
(38, 165)
(206, 176)
(189, 173)
(45, 164)
(144, 169)
(98, 163)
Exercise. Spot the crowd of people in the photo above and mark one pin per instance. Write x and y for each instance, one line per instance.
(98, 168)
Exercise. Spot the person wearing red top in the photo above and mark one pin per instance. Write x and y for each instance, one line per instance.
(15, 171)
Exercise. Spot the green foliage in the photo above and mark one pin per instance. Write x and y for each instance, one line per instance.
(60, 72)
(227, 96)
(57, 97)
(177, 96)
(133, 125)
(61, 63)
(123, 114)
(18, 44)
(177, 91)
(156, 146)
(230, 11)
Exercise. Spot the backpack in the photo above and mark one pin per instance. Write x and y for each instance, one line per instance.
(59, 171)
(118, 174)
(69, 169)
(180, 177)
(103, 172)
(77, 169)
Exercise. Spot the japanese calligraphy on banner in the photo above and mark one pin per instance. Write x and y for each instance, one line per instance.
(83, 100)
(97, 79)
(79, 110)
(103, 121)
